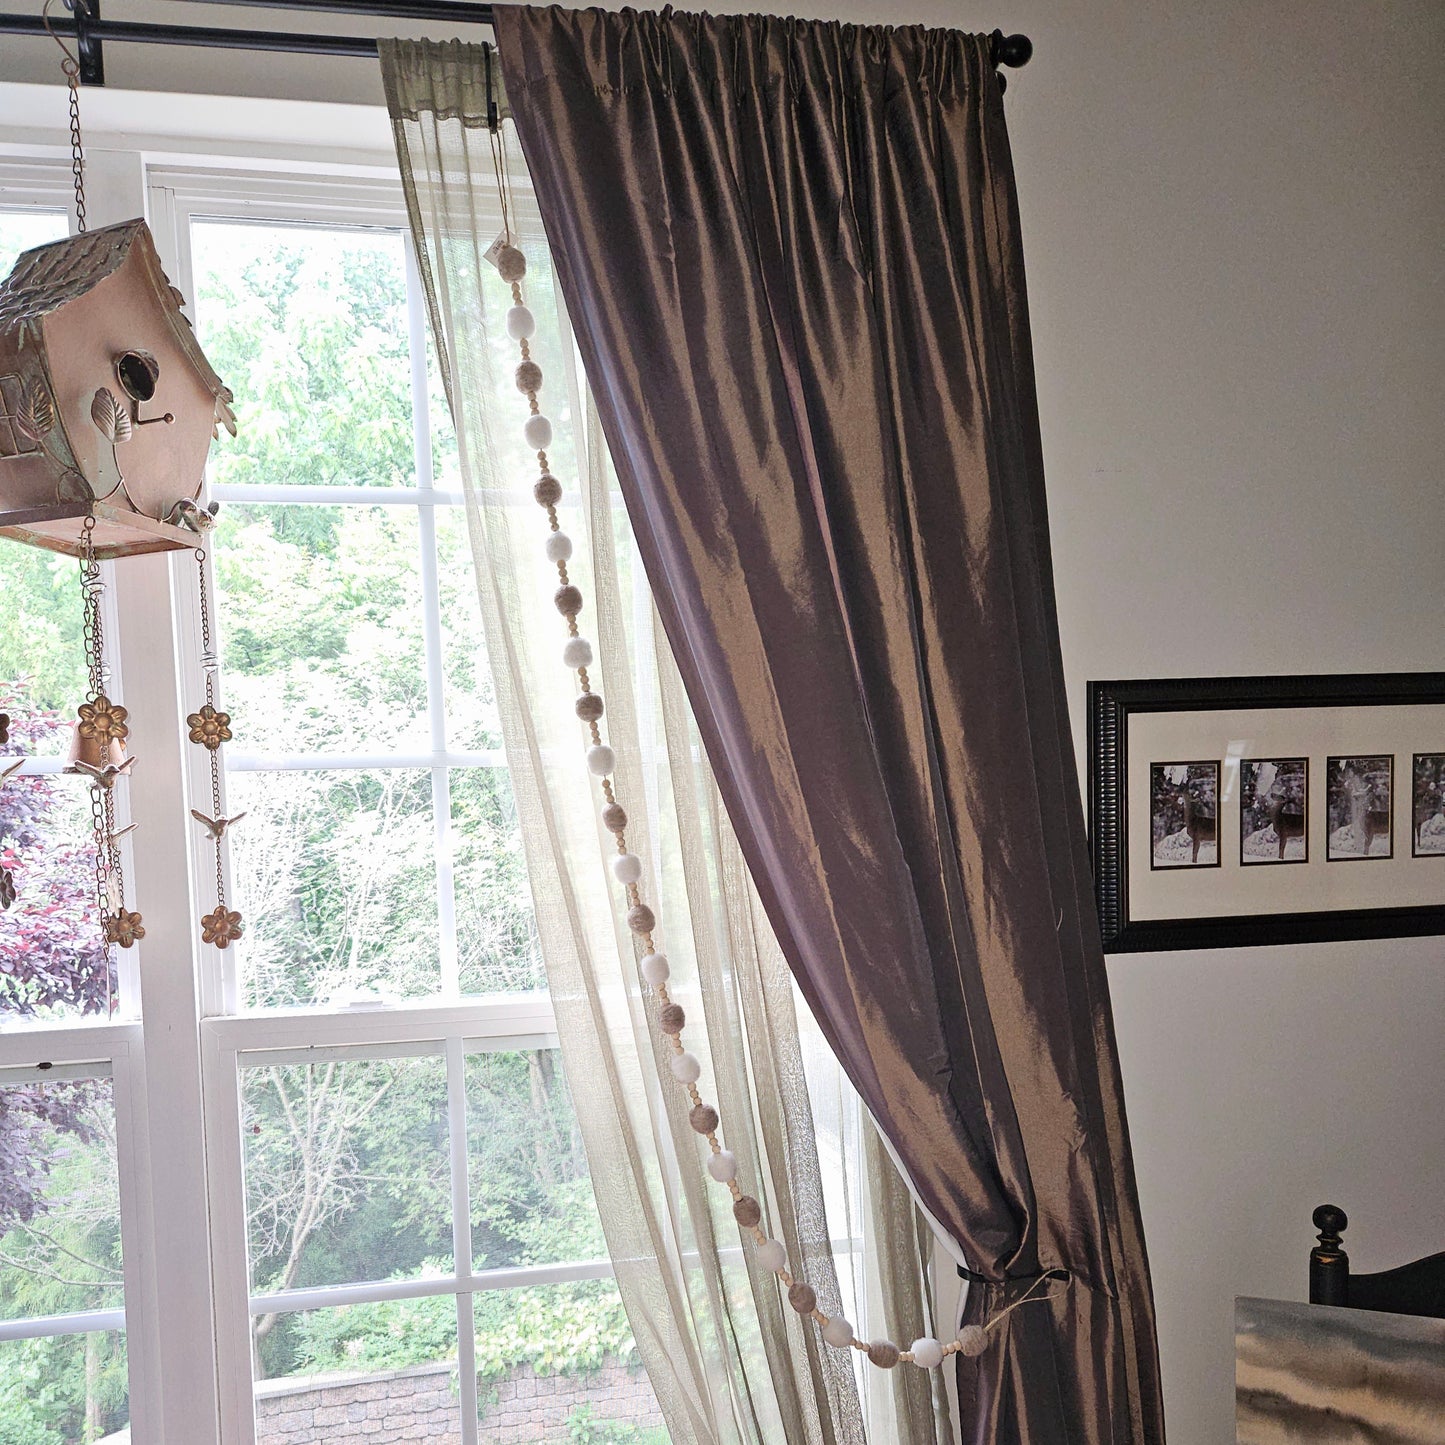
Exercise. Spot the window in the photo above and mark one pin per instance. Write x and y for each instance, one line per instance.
(332, 1175)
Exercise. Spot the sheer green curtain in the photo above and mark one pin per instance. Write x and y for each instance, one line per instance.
(728, 1360)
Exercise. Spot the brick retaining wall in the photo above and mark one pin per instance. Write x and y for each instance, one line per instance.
(394, 1406)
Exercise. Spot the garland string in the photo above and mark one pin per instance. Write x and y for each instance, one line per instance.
(686, 1068)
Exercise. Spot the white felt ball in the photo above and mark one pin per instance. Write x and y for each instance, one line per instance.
(773, 1255)
(577, 653)
(723, 1166)
(521, 324)
(927, 1353)
(627, 867)
(601, 760)
(538, 432)
(655, 968)
(686, 1068)
(972, 1341)
(559, 547)
(838, 1333)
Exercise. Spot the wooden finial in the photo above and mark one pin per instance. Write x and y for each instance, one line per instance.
(1329, 1264)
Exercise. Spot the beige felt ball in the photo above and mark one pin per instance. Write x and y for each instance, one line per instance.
(703, 1119)
(883, 1353)
(747, 1211)
(802, 1298)
(568, 600)
(614, 817)
(972, 1341)
(641, 919)
(671, 1018)
(589, 706)
(548, 490)
(511, 264)
(529, 377)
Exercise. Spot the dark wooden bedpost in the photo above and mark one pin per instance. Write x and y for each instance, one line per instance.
(1329, 1264)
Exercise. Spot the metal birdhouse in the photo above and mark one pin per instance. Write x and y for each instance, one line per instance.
(108, 406)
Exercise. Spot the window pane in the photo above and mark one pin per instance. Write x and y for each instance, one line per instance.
(64, 1390)
(375, 1372)
(558, 1362)
(320, 619)
(471, 704)
(496, 929)
(347, 1173)
(20, 230)
(59, 1200)
(52, 961)
(531, 1199)
(334, 877)
(309, 328)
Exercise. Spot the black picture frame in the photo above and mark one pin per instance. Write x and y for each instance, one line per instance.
(1111, 705)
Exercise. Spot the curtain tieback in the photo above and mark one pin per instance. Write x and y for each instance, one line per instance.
(974, 1278)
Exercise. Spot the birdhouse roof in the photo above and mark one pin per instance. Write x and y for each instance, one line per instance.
(48, 277)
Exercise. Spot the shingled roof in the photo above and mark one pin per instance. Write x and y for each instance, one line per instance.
(48, 277)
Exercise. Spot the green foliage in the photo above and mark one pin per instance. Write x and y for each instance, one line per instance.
(385, 1335)
(584, 1428)
(557, 1329)
(43, 1389)
(310, 331)
(571, 1328)
(321, 629)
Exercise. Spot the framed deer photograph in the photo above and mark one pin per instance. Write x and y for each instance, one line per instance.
(1224, 811)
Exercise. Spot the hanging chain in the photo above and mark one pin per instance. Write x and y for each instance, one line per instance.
(77, 154)
(70, 68)
(210, 665)
(109, 876)
(210, 727)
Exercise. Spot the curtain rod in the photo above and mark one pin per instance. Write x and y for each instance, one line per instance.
(89, 30)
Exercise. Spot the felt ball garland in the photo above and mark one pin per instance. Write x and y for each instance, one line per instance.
(671, 1018)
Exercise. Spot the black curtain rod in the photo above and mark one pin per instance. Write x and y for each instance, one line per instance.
(90, 30)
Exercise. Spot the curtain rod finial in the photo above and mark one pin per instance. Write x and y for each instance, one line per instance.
(1010, 50)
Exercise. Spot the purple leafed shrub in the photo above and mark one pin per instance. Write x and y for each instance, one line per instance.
(51, 955)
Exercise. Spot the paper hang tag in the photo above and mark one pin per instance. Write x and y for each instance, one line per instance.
(493, 251)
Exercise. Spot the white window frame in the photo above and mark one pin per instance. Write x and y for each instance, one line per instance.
(176, 1066)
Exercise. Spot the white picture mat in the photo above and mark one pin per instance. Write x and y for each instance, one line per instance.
(1317, 733)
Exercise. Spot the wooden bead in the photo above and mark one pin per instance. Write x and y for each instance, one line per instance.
(614, 818)
(511, 264)
(883, 1353)
(548, 490)
(529, 377)
(568, 600)
(589, 706)
(641, 919)
(747, 1211)
(802, 1298)
(671, 1018)
(703, 1117)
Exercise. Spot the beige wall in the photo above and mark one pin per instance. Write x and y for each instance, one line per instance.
(1233, 218)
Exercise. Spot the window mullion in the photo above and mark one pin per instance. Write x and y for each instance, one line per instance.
(462, 1237)
(432, 638)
